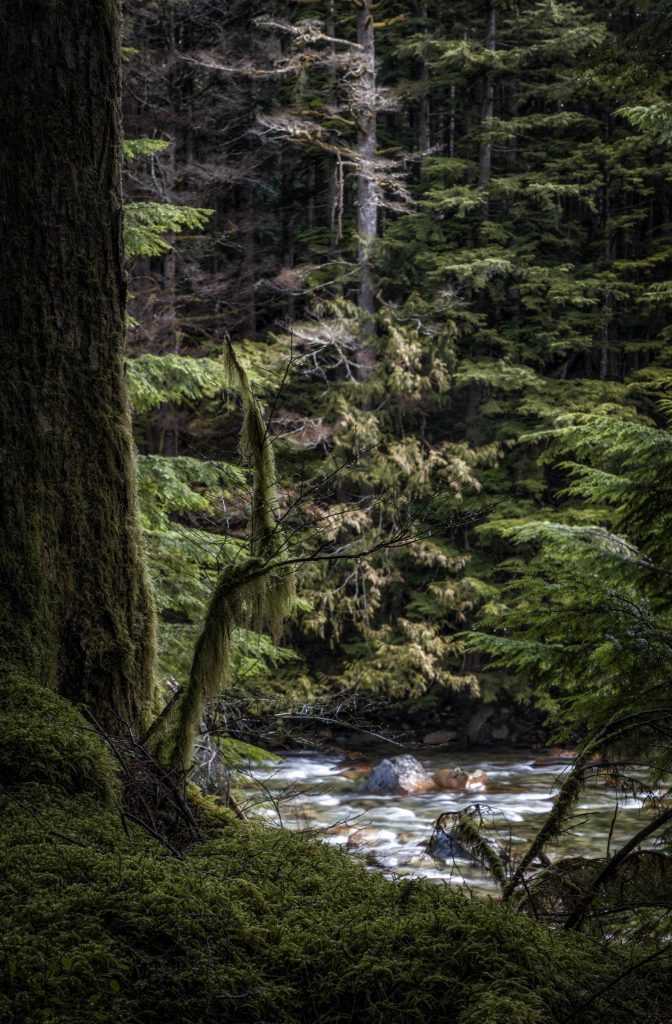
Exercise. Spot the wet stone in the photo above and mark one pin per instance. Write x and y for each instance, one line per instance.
(370, 837)
(403, 775)
(458, 779)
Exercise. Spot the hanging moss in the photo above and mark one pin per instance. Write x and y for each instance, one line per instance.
(241, 592)
(259, 590)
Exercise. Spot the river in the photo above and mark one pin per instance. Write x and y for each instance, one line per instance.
(309, 791)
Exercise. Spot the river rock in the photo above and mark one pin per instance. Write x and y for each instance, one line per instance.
(451, 778)
(477, 781)
(354, 773)
(304, 812)
(443, 847)
(418, 861)
(459, 779)
(440, 737)
(368, 837)
(402, 775)
(406, 837)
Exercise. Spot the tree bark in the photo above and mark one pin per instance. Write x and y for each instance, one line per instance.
(424, 134)
(451, 122)
(75, 607)
(485, 159)
(367, 208)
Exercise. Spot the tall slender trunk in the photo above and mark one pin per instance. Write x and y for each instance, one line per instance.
(336, 198)
(608, 255)
(604, 355)
(169, 282)
(367, 210)
(75, 608)
(170, 259)
(249, 267)
(488, 110)
(424, 135)
(451, 122)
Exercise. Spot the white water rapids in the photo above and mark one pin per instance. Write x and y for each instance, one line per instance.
(309, 791)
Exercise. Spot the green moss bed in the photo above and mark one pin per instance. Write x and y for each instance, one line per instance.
(102, 924)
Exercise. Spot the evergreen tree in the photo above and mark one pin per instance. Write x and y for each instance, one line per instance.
(520, 269)
(76, 611)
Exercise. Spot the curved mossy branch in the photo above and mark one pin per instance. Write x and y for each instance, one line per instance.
(265, 536)
(562, 808)
(273, 600)
(465, 827)
(570, 790)
(248, 592)
(611, 868)
(254, 592)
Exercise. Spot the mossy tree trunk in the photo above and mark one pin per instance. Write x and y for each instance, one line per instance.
(75, 608)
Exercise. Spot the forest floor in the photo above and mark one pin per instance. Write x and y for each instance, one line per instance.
(105, 924)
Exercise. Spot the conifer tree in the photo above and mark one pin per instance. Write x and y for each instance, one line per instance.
(496, 308)
(76, 611)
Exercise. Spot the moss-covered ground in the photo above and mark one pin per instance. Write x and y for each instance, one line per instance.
(100, 923)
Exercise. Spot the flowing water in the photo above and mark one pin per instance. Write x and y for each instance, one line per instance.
(310, 791)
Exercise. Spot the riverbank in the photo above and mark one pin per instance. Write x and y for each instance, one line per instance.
(440, 718)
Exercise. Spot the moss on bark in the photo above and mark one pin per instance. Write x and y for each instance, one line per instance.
(74, 602)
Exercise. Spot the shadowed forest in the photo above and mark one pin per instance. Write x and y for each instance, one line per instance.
(336, 512)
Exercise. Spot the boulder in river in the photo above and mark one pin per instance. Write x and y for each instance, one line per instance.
(477, 781)
(355, 766)
(443, 847)
(402, 775)
(459, 779)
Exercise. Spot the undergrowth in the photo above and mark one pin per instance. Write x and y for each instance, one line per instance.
(257, 926)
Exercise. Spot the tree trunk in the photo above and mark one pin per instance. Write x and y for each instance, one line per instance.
(606, 313)
(75, 607)
(451, 123)
(169, 277)
(367, 209)
(485, 160)
(170, 259)
(249, 268)
(424, 135)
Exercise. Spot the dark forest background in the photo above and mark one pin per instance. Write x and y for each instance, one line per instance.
(434, 233)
